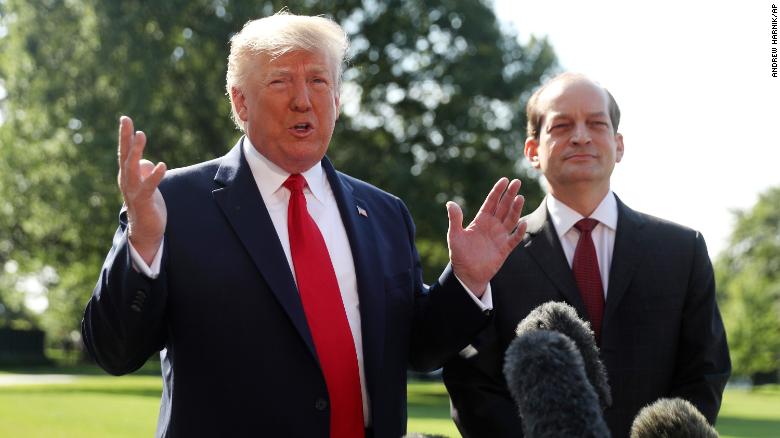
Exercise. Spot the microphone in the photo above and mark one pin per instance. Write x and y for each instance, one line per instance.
(545, 375)
(561, 317)
(671, 418)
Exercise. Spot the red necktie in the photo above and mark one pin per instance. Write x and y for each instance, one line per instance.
(587, 274)
(325, 315)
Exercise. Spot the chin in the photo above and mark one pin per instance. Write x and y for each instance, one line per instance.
(304, 162)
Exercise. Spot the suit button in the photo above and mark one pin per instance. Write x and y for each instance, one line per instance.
(321, 404)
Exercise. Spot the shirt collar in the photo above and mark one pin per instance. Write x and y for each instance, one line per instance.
(564, 217)
(269, 177)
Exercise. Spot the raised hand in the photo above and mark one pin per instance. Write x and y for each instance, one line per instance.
(138, 181)
(479, 250)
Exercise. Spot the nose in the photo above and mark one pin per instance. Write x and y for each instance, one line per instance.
(300, 100)
(581, 134)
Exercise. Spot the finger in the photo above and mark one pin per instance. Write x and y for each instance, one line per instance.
(455, 216)
(511, 219)
(507, 199)
(125, 138)
(517, 236)
(133, 164)
(153, 180)
(146, 167)
(491, 201)
(137, 148)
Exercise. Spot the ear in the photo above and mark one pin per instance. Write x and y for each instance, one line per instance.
(239, 103)
(619, 148)
(531, 151)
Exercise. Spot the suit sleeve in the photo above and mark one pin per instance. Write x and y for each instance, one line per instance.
(123, 322)
(445, 317)
(480, 402)
(703, 364)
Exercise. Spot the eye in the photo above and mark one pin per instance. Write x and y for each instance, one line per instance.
(599, 124)
(560, 126)
(317, 80)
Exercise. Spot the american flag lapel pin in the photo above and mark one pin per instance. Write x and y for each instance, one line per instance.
(362, 211)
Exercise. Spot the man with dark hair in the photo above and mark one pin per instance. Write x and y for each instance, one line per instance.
(285, 298)
(645, 285)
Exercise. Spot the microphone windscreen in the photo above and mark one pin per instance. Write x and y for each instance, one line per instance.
(545, 375)
(671, 418)
(562, 318)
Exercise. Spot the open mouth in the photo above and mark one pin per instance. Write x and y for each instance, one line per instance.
(301, 128)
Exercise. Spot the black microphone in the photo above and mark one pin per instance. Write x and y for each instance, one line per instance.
(671, 418)
(545, 374)
(562, 318)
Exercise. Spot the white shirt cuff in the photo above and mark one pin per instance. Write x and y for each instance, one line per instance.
(485, 302)
(154, 270)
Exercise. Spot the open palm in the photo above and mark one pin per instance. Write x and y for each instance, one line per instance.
(479, 250)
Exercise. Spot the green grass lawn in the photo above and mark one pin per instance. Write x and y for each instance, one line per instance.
(751, 414)
(105, 406)
(92, 406)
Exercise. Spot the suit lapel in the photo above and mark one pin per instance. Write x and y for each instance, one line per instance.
(626, 257)
(238, 197)
(545, 248)
(357, 222)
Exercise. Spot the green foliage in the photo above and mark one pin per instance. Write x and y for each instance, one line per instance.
(432, 105)
(748, 275)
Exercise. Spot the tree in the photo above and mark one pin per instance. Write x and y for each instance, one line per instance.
(431, 101)
(748, 275)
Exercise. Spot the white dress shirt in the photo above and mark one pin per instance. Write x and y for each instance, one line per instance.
(322, 207)
(564, 218)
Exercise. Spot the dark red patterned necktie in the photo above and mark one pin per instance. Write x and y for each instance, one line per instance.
(587, 274)
(325, 315)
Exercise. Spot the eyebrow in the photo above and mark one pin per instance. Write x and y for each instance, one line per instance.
(281, 71)
(589, 115)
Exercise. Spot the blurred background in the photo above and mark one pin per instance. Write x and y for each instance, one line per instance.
(432, 110)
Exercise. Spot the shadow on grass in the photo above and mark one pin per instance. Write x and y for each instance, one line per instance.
(71, 388)
(747, 427)
(150, 368)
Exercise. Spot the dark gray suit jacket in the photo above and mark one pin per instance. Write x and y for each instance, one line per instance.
(662, 334)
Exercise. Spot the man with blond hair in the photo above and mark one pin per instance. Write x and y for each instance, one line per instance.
(285, 298)
(645, 285)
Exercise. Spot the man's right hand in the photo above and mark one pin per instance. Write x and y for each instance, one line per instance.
(138, 181)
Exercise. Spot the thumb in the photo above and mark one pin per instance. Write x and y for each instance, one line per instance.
(455, 216)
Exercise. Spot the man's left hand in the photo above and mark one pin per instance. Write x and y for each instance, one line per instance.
(478, 251)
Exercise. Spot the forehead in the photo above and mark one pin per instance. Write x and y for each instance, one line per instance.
(573, 97)
(295, 60)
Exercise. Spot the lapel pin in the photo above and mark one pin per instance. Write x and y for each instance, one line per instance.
(362, 211)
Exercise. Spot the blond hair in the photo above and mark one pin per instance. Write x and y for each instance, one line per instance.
(277, 35)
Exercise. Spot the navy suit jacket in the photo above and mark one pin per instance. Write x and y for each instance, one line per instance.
(662, 334)
(237, 355)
